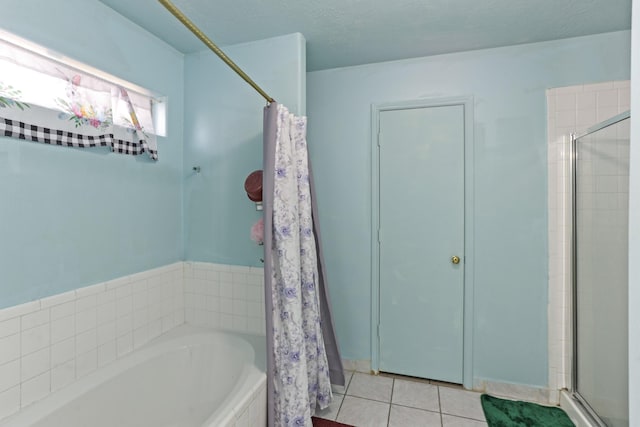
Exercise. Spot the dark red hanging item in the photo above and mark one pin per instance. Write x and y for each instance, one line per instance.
(253, 186)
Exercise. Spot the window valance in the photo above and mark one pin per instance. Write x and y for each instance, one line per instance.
(47, 101)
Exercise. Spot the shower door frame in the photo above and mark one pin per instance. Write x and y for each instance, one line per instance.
(573, 172)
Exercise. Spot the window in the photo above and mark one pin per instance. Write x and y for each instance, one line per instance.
(61, 102)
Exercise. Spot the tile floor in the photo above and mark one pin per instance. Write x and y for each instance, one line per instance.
(394, 401)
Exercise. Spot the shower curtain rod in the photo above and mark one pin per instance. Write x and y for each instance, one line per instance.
(211, 45)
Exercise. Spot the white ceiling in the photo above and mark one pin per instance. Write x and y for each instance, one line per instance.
(350, 32)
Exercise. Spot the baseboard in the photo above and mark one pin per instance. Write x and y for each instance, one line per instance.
(543, 396)
(357, 365)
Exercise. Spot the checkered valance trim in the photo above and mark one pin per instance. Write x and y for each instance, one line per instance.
(21, 130)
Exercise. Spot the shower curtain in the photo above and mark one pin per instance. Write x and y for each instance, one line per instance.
(302, 353)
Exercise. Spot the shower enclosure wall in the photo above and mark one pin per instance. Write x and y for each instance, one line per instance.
(600, 199)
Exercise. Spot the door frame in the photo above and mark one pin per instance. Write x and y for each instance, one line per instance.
(467, 257)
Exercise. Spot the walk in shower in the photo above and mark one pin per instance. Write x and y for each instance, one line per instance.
(600, 162)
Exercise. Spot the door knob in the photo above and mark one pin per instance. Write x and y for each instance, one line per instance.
(455, 259)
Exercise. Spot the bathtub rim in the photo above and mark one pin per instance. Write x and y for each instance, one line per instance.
(174, 340)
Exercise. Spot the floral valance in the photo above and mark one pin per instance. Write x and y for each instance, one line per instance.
(43, 100)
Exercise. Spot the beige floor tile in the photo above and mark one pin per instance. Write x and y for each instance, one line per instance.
(370, 387)
(363, 412)
(401, 416)
(416, 395)
(451, 421)
(461, 403)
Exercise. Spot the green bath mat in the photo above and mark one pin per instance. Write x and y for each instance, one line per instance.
(509, 413)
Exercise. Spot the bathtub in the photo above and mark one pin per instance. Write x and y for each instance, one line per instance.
(187, 377)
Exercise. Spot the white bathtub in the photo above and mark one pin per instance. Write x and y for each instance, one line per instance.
(188, 377)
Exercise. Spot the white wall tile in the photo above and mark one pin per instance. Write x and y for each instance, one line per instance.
(86, 302)
(226, 305)
(63, 310)
(140, 317)
(585, 118)
(86, 363)
(597, 87)
(240, 323)
(63, 375)
(124, 325)
(155, 328)
(9, 402)
(90, 290)
(226, 321)
(9, 327)
(86, 341)
(106, 353)
(124, 344)
(19, 310)
(109, 295)
(106, 312)
(35, 389)
(63, 328)
(240, 307)
(63, 351)
(624, 100)
(124, 305)
(586, 101)
(106, 332)
(35, 364)
(226, 290)
(35, 338)
(593, 103)
(68, 335)
(141, 336)
(607, 98)
(85, 320)
(57, 299)
(34, 319)
(225, 297)
(9, 375)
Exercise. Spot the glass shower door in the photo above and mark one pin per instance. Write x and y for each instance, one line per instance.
(601, 191)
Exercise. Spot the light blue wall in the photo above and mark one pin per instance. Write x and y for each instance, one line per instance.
(508, 85)
(634, 226)
(223, 135)
(70, 217)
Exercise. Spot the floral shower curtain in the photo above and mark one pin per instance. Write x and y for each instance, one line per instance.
(302, 355)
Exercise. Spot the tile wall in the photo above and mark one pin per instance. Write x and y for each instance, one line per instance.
(49, 343)
(570, 109)
(225, 297)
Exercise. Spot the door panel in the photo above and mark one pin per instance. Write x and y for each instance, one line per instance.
(421, 229)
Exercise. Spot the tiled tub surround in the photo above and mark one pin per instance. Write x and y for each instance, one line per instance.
(50, 343)
(570, 109)
(226, 297)
(189, 376)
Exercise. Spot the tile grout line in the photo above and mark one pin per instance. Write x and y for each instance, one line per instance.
(344, 395)
(393, 385)
(440, 407)
(411, 407)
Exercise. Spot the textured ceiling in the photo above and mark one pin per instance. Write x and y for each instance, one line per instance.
(350, 32)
